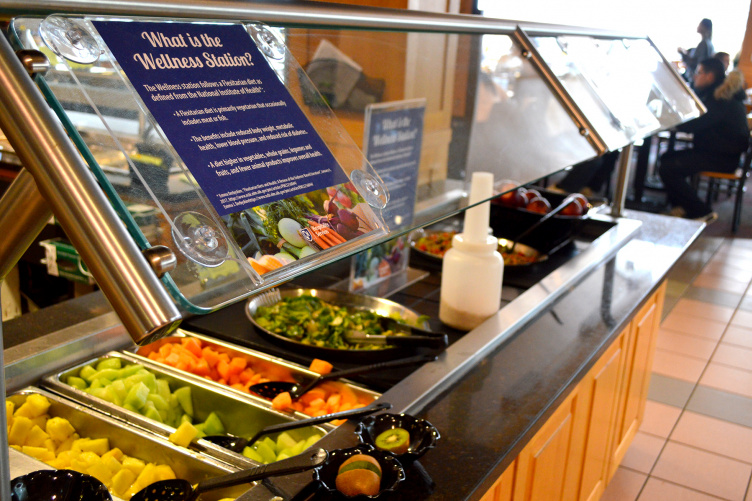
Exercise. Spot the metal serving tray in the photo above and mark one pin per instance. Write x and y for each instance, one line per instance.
(240, 415)
(380, 306)
(186, 464)
(281, 368)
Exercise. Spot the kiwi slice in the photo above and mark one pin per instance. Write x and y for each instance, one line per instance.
(396, 440)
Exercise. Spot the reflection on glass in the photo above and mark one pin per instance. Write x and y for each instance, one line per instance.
(519, 127)
(623, 86)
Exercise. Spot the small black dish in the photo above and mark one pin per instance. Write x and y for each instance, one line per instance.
(58, 485)
(423, 435)
(392, 472)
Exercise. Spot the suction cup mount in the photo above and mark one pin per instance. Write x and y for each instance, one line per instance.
(199, 239)
(370, 188)
(70, 39)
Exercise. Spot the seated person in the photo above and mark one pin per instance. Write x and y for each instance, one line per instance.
(720, 137)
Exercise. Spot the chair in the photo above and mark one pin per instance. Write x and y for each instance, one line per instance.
(735, 184)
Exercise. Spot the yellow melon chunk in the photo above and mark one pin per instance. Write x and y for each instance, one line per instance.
(68, 444)
(183, 436)
(9, 408)
(34, 406)
(36, 437)
(134, 464)
(121, 481)
(19, 430)
(59, 429)
(41, 453)
(100, 472)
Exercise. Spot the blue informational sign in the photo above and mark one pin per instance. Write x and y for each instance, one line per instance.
(224, 110)
(392, 144)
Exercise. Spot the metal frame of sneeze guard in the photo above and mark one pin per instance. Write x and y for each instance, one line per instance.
(574, 111)
(211, 235)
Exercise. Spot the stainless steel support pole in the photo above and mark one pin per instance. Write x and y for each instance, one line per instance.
(23, 214)
(620, 192)
(64, 180)
(5, 463)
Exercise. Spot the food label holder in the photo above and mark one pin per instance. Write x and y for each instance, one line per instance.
(207, 123)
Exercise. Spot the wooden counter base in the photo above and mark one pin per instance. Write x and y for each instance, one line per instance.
(576, 452)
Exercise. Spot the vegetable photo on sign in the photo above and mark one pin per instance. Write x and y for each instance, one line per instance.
(281, 232)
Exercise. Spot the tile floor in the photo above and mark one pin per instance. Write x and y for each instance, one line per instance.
(696, 439)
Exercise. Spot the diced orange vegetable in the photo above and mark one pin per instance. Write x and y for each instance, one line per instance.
(282, 401)
(224, 369)
(211, 356)
(348, 395)
(237, 386)
(172, 359)
(312, 395)
(333, 401)
(201, 368)
(237, 364)
(320, 366)
(246, 375)
(319, 403)
(193, 345)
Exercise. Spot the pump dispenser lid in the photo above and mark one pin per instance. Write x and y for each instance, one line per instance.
(477, 218)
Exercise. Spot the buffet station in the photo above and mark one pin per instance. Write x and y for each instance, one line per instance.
(318, 280)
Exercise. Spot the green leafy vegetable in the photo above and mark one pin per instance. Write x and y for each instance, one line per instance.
(309, 320)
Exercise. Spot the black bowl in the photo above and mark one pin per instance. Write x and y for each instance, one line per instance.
(392, 472)
(58, 485)
(423, 435)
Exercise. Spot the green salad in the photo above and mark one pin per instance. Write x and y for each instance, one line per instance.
(309, 320)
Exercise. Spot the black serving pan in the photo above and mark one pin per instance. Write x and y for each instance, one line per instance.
(558, 231)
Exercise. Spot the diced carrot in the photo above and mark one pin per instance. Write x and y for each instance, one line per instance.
(246, 375)
(337, 422)
(320, 366)
(312, 395)
(345, 407)
(237, 386)
(172, 359)
(256, 379)
(234, 379)
(282, 401)
(224, 357)
(333, 401)
(211, 356)
(319, 412)
(201, 368)
(165, 349)
(193, 345)
(237, 364)
(153, 355)
(319, 403)
(224, 369)
(348, 395)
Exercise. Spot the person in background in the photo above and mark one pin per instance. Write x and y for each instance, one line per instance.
(720, 136)
(588, 177)
(725, 58)
(703, 50)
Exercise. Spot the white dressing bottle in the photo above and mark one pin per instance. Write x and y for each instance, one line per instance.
(472, 268)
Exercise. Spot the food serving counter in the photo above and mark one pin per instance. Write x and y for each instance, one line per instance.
(489, 392)
(522, 102)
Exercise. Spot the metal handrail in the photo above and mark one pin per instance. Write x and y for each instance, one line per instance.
(310, 14)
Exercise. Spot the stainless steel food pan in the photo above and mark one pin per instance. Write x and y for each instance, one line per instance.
(186, 464)
(240, 415)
